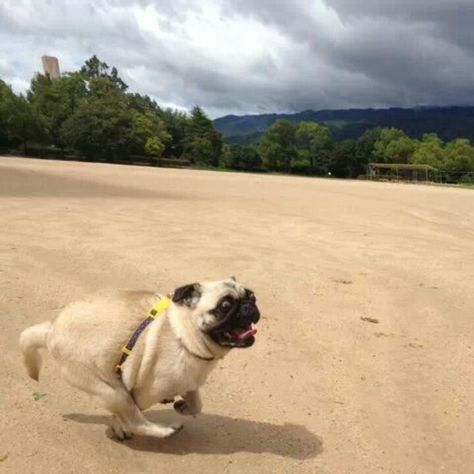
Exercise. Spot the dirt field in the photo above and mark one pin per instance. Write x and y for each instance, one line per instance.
(322, 390)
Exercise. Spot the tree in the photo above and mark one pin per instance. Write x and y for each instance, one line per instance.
(429, 151)
(242, 157)
(277, 146)
(313, 144)
(154, 147)
(400, 150)
(365, 145)
(100, 125)
(7, 114)
(147, 133)
(177, 126)
(144, 104)
(47, 107)
(392, 146)
(204, 143)
(201, 151)
(301, 148)
(459, 156)
(53, 101)
(93, 68)
(71, 88)
(344, 162)
(18, 123)
(200, 123)
(90, 112)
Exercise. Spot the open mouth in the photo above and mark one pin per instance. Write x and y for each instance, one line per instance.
(236, 337)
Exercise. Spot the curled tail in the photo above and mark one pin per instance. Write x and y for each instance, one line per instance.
(31, 340)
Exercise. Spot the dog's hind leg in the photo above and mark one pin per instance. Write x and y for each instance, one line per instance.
(127, 417)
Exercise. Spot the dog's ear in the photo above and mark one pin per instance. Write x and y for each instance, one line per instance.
(187, 294)
(233, 278)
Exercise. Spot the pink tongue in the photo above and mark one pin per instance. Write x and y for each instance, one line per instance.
(244, 333)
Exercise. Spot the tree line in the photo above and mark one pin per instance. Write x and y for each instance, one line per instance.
(308, 148)
(90, 113)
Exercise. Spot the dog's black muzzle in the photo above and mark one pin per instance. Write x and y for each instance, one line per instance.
(234, 326)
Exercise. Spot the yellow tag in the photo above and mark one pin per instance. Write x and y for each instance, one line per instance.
(161, 305)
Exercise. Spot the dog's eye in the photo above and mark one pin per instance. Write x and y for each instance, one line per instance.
(225, 305)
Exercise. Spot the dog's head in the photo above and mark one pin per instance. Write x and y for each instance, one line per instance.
(224, 310)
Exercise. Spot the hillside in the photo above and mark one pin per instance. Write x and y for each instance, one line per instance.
(447, 122)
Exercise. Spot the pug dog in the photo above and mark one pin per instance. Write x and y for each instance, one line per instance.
(105, 346)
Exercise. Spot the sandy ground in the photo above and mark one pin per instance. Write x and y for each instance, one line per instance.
(322, 391)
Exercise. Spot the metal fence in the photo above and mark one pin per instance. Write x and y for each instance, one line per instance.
(401, 172)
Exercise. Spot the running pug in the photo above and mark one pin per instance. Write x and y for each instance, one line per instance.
(172, 356)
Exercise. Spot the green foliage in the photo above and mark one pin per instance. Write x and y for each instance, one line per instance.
(19, 123)
(277, 146)
(201, 152)
(365, 145)
(456, 156)
(100, 125)
(200, 122)
(344, 162)
(459, 156)
(204, 144)
(54, 101)
(352, 165)
(7, 114)
(392, 146)
(94, 68)
(177, 126)
(154, 147)
(429, 151)
(311, 150)
(244, 158)
(299, 148)
(91, 113)
(448, 122)
(147, 133)
(313, 147)
(400, 150)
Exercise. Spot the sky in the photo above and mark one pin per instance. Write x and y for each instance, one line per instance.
(254, 56)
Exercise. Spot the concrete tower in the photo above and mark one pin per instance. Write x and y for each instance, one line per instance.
(50, 66)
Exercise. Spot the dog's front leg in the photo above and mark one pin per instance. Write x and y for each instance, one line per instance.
(133, 421)
(191, 404)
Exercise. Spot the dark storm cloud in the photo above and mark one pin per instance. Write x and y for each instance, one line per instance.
(409, 52)
(451, 20)
(253, 56)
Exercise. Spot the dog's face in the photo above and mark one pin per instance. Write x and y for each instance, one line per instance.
(224, 310)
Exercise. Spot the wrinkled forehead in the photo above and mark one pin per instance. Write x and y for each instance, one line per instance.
(216, 290)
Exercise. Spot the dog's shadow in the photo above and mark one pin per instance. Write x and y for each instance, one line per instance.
(218, 434)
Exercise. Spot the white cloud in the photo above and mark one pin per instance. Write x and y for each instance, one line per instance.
(253, 56)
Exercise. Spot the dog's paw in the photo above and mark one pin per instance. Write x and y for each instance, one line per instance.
(122, 436)
(181, 407)
(184, 409)
(173, 429)
(118, 432)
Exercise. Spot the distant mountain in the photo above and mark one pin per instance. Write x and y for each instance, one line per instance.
(447, 122)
